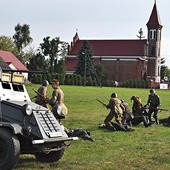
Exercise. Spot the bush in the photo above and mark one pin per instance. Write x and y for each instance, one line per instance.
(74, 79)
(79, 78)
(37, 78)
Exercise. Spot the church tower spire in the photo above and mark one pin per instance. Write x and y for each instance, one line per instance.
(154, 43)
(154, 20)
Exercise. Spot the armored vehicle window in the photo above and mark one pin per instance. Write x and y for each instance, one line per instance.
(18, 87)
(6, 86)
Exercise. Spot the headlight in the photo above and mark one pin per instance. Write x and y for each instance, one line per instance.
(26, 109)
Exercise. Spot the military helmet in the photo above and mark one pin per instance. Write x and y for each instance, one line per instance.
(152, 91)
(133, 98)
(45, 83)
(113, 95)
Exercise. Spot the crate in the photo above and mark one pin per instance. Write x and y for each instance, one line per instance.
(5, 77)
(18, 78)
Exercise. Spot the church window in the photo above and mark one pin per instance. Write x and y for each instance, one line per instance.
(152, 34)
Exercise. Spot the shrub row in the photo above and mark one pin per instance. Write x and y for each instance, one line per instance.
(73, 79)
(135, 84)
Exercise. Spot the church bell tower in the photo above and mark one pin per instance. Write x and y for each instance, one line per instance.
(154, 43)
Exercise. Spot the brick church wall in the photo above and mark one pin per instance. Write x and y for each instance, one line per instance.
(120, 70)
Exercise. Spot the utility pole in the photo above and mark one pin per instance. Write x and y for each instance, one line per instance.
(85, 67)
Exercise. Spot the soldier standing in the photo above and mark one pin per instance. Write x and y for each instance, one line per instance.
(153, 103)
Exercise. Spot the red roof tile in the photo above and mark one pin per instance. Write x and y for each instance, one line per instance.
(112, 47)
(9, 57)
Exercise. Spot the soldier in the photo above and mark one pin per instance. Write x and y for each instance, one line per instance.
(153, 103)
(57, 100)
(137, 105)
(132, 119)
(42, 94)
(165, 121)
(115, 111)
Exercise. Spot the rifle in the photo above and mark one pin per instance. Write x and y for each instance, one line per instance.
(101, 102)
(159, 109)
(38, 93)
(33, 97)
(106, 98)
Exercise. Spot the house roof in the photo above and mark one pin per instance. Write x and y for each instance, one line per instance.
(112, 47)
(154, 20)
(4, 65)
(10, 58)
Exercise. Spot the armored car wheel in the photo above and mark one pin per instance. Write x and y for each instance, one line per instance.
(53, 156)
(9, 150)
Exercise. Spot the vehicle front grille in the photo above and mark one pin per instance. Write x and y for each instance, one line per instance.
(49, 124)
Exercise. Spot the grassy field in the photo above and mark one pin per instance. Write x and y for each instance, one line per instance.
(142, 149)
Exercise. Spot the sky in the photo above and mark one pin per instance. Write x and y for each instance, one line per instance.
(92, 19)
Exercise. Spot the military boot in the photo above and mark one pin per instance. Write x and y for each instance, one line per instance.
(156, 121)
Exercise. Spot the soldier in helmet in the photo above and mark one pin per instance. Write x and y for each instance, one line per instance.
(42, 94)
(115, 111)
(153, 103)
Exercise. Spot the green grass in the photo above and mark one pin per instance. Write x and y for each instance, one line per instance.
(144, 148)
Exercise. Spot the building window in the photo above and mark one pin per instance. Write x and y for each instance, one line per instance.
(152, 34)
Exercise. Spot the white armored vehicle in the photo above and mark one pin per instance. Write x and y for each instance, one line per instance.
(25, 127)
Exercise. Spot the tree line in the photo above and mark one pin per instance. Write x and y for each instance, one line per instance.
(48, 57)
(51, 54)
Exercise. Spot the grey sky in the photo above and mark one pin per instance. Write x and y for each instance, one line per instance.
(94, 19)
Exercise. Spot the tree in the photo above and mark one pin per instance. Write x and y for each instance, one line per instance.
(60, 67)
(140, 36)
(163, 68)
(50, 49)
(168, 73)
(55, 50)
(101, 71)
(28, 54)
(7, 44)
(38, 63)
(84, 65)
(63, 49)
(22, 36)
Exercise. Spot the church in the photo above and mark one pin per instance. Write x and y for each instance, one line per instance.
(125, 59)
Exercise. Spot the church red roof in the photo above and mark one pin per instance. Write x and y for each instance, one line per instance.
(107, 48)
(112, 47)
(9, 57)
